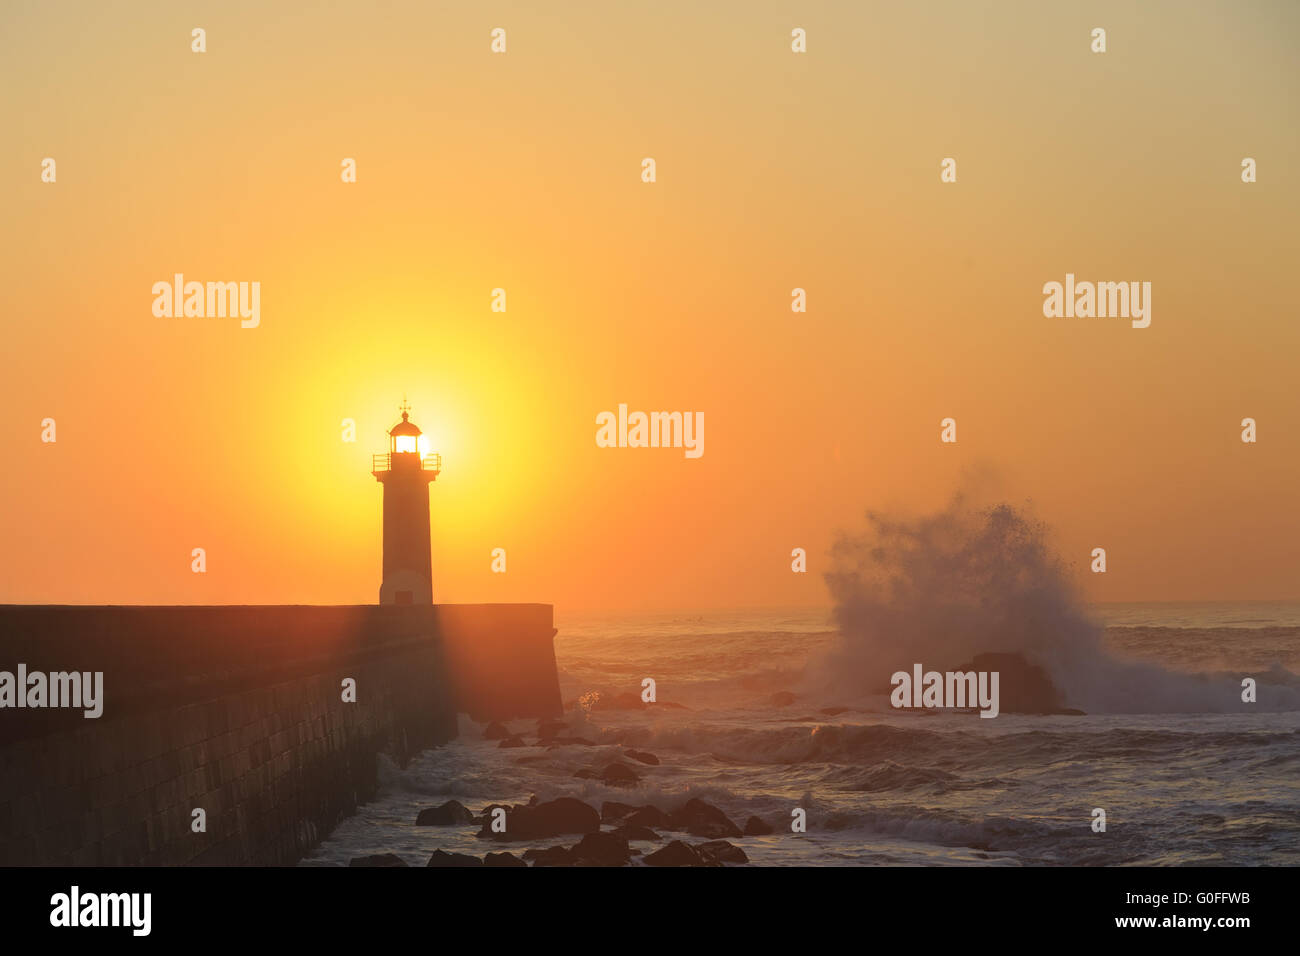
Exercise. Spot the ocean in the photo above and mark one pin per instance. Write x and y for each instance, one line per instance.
(760, 713)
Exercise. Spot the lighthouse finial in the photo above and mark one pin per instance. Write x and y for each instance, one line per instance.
(405, 407)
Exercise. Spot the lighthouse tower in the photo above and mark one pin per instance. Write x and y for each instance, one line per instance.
(405, 472)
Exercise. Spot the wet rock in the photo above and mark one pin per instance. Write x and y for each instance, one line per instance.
(563, 815)
(636, 833)
(756, 826)
(614, 775)
(502, 859)
(649, 816)
(620, 775)
(600, 849)
(702, 819)
(642, 756)
(443, 858)
(546, 729)
(553, 818)
(720, 851)
(513, 742)
(450, 814)
(676, 853)
(1024, 688)
(495, 731)
(377, 859)
(550, 856)
(611, 811)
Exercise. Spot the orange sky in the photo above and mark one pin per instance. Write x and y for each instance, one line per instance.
(522, 171)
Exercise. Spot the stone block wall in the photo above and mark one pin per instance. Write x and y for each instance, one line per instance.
(239, 711)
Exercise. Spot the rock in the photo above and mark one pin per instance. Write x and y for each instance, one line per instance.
(553, 742)
(547, 729)
(551, 856)
(610, 811)
(615, 775)
(513, 742)
(649, 816)
(601, 849)
(701, 819)
(636, 833)
(1025, 688)
(450, 814)
(756, 826)
(720, 851)
(676, 853)
(565, 815)
(782, 698)
(643, 757)
(378, 859)
(620, 775)
(502, 859)
(495, 731)
(443, 858)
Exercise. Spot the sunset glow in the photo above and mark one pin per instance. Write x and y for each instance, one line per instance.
(923, 303)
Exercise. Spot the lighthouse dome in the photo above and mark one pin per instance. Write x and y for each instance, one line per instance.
(404, 427)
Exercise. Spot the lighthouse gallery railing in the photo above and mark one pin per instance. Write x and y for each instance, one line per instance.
(384, 462)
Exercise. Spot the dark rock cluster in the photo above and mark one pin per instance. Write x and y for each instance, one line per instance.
(606, 837)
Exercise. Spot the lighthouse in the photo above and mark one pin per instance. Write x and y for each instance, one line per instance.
(405, 471)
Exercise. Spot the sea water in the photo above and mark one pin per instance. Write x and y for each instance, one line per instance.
(760, 732)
